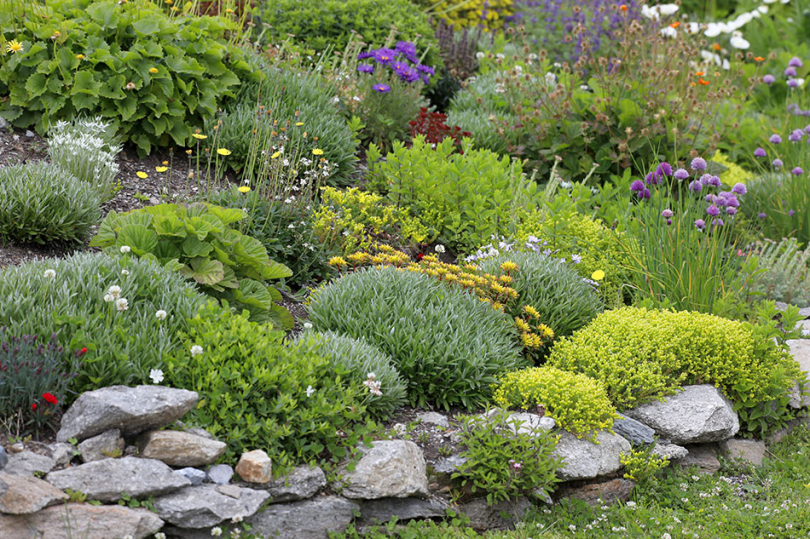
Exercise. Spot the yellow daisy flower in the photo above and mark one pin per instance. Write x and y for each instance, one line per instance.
(142, 175)
(161, 169)
(244, 189)
(317, 151)
(223, 151)
(199, 136)
(598, 275)
(14, 46)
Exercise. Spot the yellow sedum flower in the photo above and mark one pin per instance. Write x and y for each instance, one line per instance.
(142, 175)
(338, 262)
(509, 266)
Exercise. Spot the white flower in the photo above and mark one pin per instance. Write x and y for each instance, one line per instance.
(161, 314)
(440, 248)
(125, 249)
(738, 42)
(127, 536)
(336, 99)
(480, 55)
(371, 376)
(156, 375)
(196, 350)
(50, 274)
(668, 31)
(307, 325)
(356, 98)
(500, 56)
(160, 535)
(216, 531)
(375, 388)
(108, 298)
(237, 519)
(310, 391)
(124, 272)
(121, 304)
(114, 291)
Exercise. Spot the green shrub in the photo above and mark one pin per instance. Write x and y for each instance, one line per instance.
(640, 355)
(503, 464)
(67, 297)
(448, 345)
(563, 299)
(153, 75)
(358, 358)
(468, 196)
(257, 393)
(41, 203)
(577, 403)
(197, 241)
(782, 272)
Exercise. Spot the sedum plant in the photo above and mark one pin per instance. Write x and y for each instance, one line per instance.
(199, 242)
(448, 345)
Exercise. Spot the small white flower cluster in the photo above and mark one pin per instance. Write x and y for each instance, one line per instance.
(114, 295)
(374, 387)
(50, 274)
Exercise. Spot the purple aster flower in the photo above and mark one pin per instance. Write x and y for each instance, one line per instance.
(793, 83)
(759, 152)
(365, 68)
(790, 213)
(695, 186)
(796, 135)
(576, 259)
(681, 174)
(666, 170)
(700, 224)
(790, 72)
(384, 56)
(731, 211)
(381, 88)
(637, 186)
(775, 139)
(768, 79)
(795, 62)
(667, 213)
(407, 49)
(797, 171)
(698, 163)
(739, 189)
(364, 55)
(761, 215)
(777, 163)
(427, 70)
(713, 210)
(717, 222)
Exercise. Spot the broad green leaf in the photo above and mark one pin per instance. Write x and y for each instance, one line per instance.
(139, 238)
(227, 215)
(204, 271)
(193, 246)
(253, 293)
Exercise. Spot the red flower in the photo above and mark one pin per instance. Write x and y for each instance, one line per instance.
(419, 256)
(83, 351)
(34, 406)
(49, 398)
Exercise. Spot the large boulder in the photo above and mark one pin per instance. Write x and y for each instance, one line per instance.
(105, 480)
(131, 410)
(800, 350)
(389, 469)
(307, 519)
(177, 448)
(301, 483)
(583, 459)
(25, 495)
(208, 505)
(28, 463)
(698, 414)
(85, 521)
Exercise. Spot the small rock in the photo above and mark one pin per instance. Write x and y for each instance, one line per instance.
(501, 516)
(597, 493)
(91, 522)
(307, 519)
(584, 459)
(62, 453)
(382, 510)
(26, 495)
(177, 448)
(28, 463)
(800, 350)
(192, 474)
(530, 423)
(448, 465)
(29, 133)
(400, 429)
(750, 451)
(433, 418)
(389, 469)
(704, 456)
(541, 495)
(301, 483)
(106, 445)
(204, 505)
(633, 431)
(255, 467)
(3, 457)
(230, 490)
(200, 432)
(220, 474)
(670, 451)
(3, 123)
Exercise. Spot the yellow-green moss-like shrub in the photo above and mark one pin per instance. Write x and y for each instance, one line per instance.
(489, 14)
(577, 403)
(640, 355)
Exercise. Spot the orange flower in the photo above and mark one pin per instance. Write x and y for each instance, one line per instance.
(623, 7)
(717, 47)
(675, 24)
(700, 73)
(759, 59)
(703, 82)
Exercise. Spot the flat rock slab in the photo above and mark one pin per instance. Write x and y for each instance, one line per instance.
(28, 463)
(106, 445)
(433, 418)
(131, 410)
(800, 350)
(25, 495)
(105, 480)
(583, 459)
(301, 483)
(750, 451)
(86, 522)
(670, 451)
(703, 456)
(633, 431)
(381, 511)
(177, 448)
(698, 414)
(612, 491)
(206, 505)
(389, 469)
(307, 519)
(501, 516)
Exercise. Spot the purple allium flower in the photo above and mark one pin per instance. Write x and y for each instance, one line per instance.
(797, 171)
(698, 163)
(795, 62)
(651, 178)
(790, 213)
(759, 152)
(717, 222)
(807, 129)
(796, 135)
(695, 186)
(775, 139)
(576, 259)
(739, 189)
(729, 199)
(681, 174)
(646, 194)
(714, 181)
(667, 213)
(637, 186)
(384, 56)
(777, 163)
(713, 210)
(381, 88)
(700, 224)
(711, 198)
(793, 83)
(790, 72)
(761, 215)
(365, 68)
(731, 211)
(768, 79)
(666, 170)
(669, 222)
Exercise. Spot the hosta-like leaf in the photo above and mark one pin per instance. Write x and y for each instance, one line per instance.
(139, 238)
(253, 293)
(192, 247)
(204, 271)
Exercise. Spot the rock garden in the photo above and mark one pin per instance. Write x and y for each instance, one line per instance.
(413, 269)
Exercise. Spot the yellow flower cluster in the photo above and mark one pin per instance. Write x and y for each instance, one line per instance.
(472, 13)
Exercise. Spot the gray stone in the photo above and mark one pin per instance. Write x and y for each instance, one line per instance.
(86, 522)
(132, 410)
(106, 445)
(750, 451)
(105, 480)
(501, 516)
(615, 490)
(433, 418)
(25, 494)
(800, 350)
(3, 457)
(255, 467)
(389, 469)
(779, 435)
(28, 463)
(670, 451)
(62, 453)
(307, 519)
(633, 431)
(177, 448)
(541, 495)
(698, 414)
(219, 473)
(192, 474)
(703, 456)
(3, 487)
(200, 432)
(301, 483)
(29, 133)
(448, 465)
(204, 505)
(583, 459)
(383, 509)
(804, 327)
(530, 423)
(3, 123)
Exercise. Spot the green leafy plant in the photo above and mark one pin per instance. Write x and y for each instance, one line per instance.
(448, 345)
(154, 76)
(44, 204)
(783, 202)
(504, 460)
(641, 465)
(782, 272)
(198, 241)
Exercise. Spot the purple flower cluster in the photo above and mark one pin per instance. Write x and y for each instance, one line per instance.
(402, 60)
(790, 72)
(796, 136)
